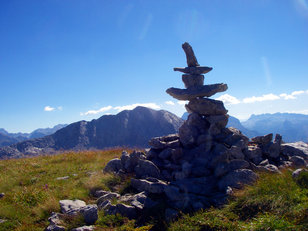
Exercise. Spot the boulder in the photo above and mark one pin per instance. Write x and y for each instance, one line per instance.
(234, 137)
(113, 165)
(295, 149)
(89, 214)
(148, 186)
(194, 92)
(237, 178)
(68, 205)
(146, 168)
(297, 161)
(205, 106)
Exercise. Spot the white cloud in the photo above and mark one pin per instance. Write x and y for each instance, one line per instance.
(93, 112)
(132, 106)
(262, 98)
(292, 95)
(182, 102)
(48, 108)
(228, 99)
(169, 103)
(286, 96)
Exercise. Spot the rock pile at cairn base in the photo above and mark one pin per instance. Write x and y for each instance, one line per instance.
(199, 166)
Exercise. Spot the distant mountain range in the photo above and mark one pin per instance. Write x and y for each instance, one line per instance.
(293, 127)
(7, 138)
(130, 128)
(134, 128)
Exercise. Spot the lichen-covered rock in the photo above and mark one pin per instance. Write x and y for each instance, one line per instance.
(102, 201)
(254, 153)
(55, 228)
(170, 141)
(68, 205)
(297, 172)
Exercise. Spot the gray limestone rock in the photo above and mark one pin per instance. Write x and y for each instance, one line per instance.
(89, 213)
(113, 165)
(170, 141)
(55, 228)
(272, 150)
(126, 210)
(101, 202)
(68, 205)
(84, 228)
(146, 168)
(237, 178)
(2, 195)
(295, 149)
(188, 134)
(223, 168)
(170, 214)
(234, 137)
(148, 186)
(268, 168)
(200, 185)
(55, 218)
(263, 140)
(173, 193)
(193, 80)
(218, 120)
(236, 153)
(166, 153)
(297, 172)
(254, 153)
(196, 91)
(190, 55)
(206, 106)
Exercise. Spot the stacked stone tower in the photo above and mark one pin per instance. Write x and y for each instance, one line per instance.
(207, 116)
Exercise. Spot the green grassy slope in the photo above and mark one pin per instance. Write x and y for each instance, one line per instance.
(32, 192)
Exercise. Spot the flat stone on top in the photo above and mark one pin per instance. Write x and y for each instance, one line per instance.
(199, 91)
(194, 70)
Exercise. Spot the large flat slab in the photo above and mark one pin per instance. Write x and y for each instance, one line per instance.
(198, 91)
(206, 107)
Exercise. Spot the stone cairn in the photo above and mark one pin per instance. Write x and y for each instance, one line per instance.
(197, 168)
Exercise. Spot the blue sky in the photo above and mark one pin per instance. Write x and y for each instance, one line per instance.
(65, 61)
